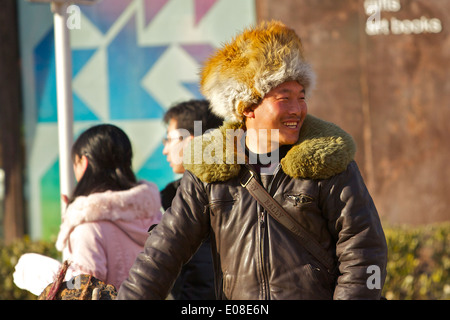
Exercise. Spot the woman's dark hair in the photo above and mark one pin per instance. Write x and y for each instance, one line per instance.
(109, 155)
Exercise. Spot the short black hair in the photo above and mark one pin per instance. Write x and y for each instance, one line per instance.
(185, 113)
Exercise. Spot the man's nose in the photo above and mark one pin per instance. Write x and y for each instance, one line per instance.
(300, 106)
(165, 150)
(295, 107)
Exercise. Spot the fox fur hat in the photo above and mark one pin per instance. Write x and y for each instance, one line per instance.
(244, 70)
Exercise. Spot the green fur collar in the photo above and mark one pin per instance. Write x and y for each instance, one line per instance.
(322, 151)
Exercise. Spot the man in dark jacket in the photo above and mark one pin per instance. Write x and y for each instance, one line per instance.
(185, 120)
(259, 82)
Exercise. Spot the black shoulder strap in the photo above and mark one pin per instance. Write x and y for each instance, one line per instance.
(249, 182)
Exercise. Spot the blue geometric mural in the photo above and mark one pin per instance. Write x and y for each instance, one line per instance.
(44, 57)
(131, 60)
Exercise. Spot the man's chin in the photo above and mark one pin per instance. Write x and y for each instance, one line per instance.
(288, 140)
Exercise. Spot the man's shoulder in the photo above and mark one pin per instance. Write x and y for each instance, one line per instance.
(168, 193)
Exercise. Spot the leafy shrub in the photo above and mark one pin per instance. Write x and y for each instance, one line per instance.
(9, 256)
(418, 263)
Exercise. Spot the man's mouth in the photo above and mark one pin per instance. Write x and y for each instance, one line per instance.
(291, 124)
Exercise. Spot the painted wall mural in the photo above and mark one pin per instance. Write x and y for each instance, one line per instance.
(131, 60)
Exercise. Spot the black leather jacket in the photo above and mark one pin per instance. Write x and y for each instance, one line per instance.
(196, 279)
(254, 256)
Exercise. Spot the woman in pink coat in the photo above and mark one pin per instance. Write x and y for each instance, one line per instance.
(108, 216)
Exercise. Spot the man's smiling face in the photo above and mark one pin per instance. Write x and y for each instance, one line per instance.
(284, 109)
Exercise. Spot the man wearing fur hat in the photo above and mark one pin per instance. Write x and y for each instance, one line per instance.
(333, 245)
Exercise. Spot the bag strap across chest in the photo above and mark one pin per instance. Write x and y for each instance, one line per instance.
(249, 181)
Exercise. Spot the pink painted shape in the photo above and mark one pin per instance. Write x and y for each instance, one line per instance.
(152, 8)
(201, 8)
(199, 51)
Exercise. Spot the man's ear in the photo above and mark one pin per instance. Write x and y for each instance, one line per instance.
(249, 112)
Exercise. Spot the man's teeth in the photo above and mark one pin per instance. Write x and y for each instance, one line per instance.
(290, 124)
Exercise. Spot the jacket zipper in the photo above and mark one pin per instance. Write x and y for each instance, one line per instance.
(262, 231)
(262, 240)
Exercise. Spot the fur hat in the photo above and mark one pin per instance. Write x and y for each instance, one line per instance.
(243, 71)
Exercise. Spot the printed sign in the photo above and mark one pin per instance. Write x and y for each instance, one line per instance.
(376, 25)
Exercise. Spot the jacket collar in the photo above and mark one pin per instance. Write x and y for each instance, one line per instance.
(322, 151)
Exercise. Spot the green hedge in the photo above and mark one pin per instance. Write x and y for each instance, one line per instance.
(9, 255)
(418, 263)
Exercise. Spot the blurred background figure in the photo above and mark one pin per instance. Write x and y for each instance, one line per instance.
(196, 280)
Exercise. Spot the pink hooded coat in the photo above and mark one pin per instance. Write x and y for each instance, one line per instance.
(102, 234)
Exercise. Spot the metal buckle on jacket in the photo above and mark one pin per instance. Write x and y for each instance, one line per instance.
(252, 174)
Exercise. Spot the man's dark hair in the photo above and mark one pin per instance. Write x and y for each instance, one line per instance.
(185, 113)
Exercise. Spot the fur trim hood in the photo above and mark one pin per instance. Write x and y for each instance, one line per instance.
(140, 202)
(322, 151)
(243, 71)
